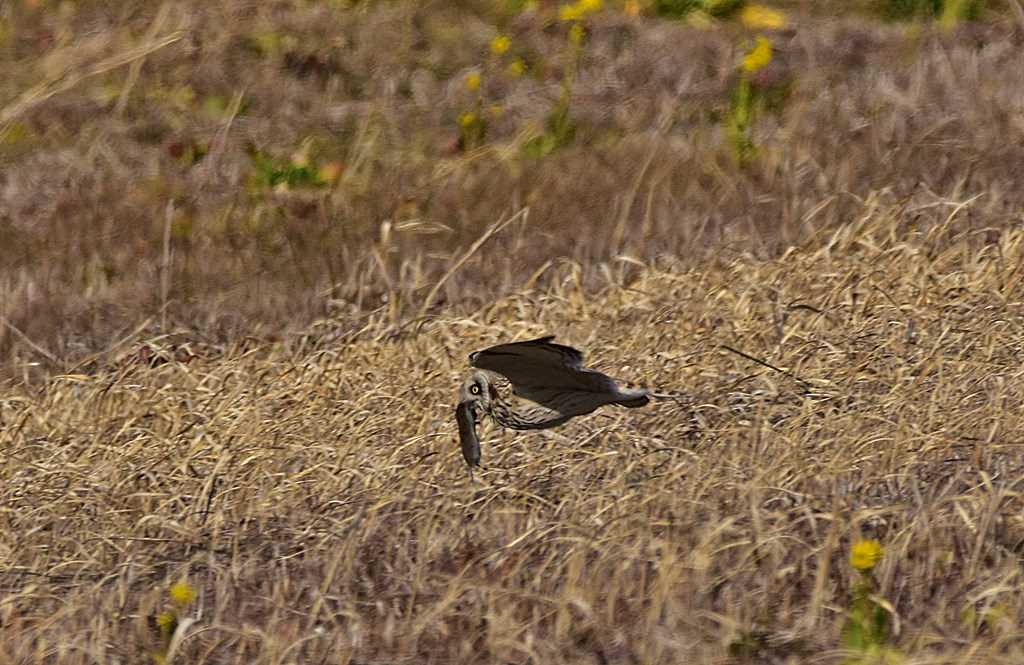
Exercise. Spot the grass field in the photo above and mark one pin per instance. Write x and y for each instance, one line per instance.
(246, 251)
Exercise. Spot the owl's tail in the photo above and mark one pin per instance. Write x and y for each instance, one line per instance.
(633, 399)
(636, 397)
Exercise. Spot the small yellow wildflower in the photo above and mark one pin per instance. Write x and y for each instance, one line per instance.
(579, 9)
(865, 555)
(759, 56)
(500, 44)
(473, 80)
(517, 68)
(631, 8)
(182, 593)
(576, 33)
(759, 17)
(467, 119)
(571, 12)
(166, 621)
(953, 12)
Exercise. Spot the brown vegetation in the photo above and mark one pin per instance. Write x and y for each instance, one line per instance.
(251, 389)
(112, 217)
(321, 507)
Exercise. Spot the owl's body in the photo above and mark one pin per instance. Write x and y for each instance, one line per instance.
(535, 384)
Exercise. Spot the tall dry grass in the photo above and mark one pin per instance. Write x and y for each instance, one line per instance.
(250, 389)
(318, 503)
(112, 230)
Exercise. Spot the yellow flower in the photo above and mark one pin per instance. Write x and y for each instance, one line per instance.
(631, 8)
(571, 12)
(473, 80)
(865, 555)
(576, 33)
(167, 622)
(182, 593)
(517, 67)
(579, 9)
(467, 119)
(759, 56)
(500, 44)
(760, 17)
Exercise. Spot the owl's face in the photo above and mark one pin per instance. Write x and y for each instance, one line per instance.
(478, 390)
(474, 396)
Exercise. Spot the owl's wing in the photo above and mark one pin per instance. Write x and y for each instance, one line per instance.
(538, 367)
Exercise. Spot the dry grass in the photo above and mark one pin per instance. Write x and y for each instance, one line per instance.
(320, 505)
(845, 315)
(108, 222)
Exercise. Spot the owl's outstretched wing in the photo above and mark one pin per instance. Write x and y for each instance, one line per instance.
(537, 368)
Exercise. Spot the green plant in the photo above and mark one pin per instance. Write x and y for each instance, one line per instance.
(746, 102)
(680, 8)
(271, 172)
(472, 129)
(170, 623)
(472, 123)
(559, 125)
(949, 11)
(559, 131)
(866, 631)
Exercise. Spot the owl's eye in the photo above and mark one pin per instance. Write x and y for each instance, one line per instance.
(475, 389)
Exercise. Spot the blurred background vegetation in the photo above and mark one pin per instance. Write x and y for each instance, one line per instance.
(222, 171)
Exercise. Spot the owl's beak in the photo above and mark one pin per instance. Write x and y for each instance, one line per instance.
(465, 417)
